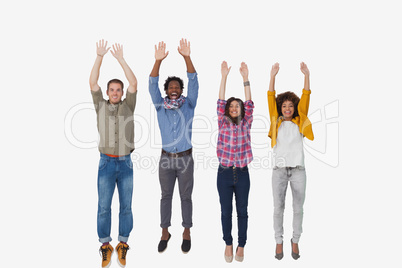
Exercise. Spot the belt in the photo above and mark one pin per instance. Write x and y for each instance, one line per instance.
(176, 155)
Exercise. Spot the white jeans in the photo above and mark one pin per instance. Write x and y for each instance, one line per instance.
(280, 178)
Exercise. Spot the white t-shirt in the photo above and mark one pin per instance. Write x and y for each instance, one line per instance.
(288, 151)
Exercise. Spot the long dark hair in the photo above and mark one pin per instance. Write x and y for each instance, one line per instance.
(241, 116)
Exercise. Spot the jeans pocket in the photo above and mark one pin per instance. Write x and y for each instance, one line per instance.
(244, 169)
(129, 163)
(222, 169)
(102, 163)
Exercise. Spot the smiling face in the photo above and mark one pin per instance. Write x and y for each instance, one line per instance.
(115, 92)
(234, 109)
(174, 91)
(288, 110)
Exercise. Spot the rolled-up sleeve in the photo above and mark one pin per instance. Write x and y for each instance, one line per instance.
(156, 96)
(193, 86)
(220, 109)
(131, 100)
(248, 111)
(97, 98)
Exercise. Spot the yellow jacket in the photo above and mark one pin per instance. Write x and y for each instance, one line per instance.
(302, 121)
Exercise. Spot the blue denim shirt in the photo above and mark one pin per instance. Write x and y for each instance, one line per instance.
(175, 124)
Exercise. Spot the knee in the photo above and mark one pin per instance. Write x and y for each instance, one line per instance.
(185, 197)
(103, 210)
(279, 210)
(298, 210)
(227, 214)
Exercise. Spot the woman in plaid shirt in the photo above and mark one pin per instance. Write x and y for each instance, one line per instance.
(234, 154)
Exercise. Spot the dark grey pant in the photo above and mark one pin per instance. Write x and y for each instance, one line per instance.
(181, 168)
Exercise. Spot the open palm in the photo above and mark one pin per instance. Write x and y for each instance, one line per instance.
(184, 48)
(101, 48)
(225, 69)
(160, 51)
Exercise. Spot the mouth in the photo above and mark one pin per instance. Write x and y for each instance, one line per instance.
(234, 113)
(174, 95)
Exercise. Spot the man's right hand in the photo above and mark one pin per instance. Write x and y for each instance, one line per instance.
(101, 48)
(160, 51)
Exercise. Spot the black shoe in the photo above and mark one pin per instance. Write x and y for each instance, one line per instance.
(163, 244)
(186, 246)
(294, 254)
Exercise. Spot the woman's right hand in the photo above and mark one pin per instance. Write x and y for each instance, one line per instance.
(225, 69)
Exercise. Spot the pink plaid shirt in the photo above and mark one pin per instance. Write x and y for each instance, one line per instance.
(234, 144)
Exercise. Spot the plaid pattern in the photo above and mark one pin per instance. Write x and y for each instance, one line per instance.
(173, 104)
(234, 143)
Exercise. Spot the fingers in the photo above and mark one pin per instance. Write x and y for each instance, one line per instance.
(161, 46)
(101, 43)
(184, 43)
(243, 66)
(224, 66)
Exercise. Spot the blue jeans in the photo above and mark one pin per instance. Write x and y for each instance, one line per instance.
(112, 171)
(234, 180)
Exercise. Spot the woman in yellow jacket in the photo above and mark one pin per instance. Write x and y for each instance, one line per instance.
(289, 124)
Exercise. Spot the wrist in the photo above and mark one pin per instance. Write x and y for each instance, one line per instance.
(246, 83)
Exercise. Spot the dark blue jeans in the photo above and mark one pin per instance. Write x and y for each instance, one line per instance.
(234, 180)
(115, 171)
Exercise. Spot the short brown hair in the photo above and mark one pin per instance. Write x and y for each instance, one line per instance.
(287, 96)
(117, 81)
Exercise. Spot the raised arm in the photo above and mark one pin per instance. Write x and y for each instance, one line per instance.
(184, 50)
(101, 50)
(273, 112)
(274, 72)
(224, 71)
(117, 52)
(160, 55)
(246, 82)
(306, 72)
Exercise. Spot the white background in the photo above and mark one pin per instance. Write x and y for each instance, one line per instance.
(48, 185)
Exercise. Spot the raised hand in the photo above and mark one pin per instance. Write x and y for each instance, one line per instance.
(117, 51)
(101, 48)
(275, 69)
(225, 69)
(304, 69)
(244, 70)
(160, 51)
(184, 48)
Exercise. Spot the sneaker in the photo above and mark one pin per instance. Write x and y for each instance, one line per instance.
(107, 252)
(122, 252)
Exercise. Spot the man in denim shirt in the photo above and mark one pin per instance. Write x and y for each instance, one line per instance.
(175, 117)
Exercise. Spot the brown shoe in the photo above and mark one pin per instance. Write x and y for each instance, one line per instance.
(121, 254)
(107, 252)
